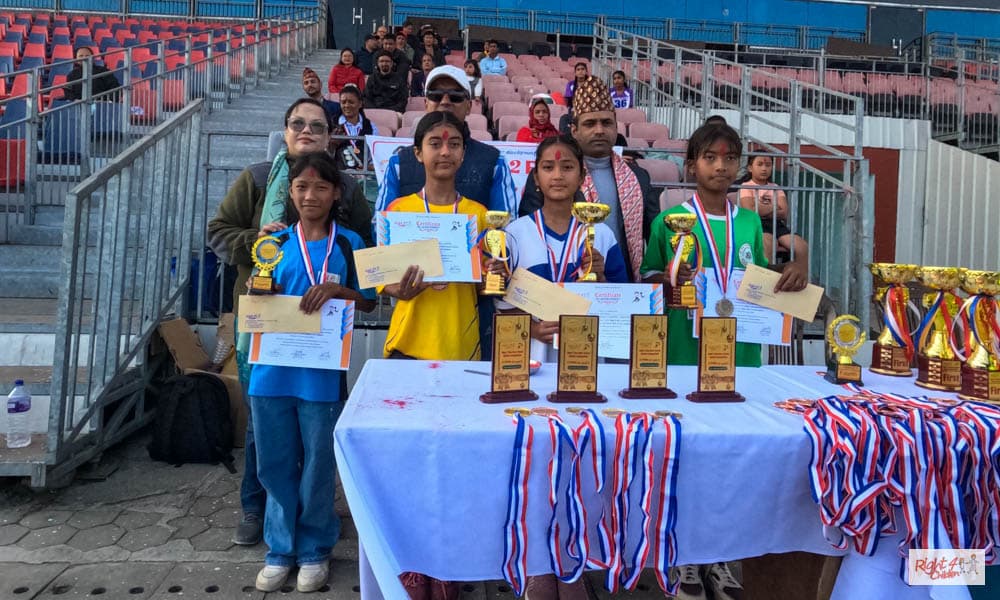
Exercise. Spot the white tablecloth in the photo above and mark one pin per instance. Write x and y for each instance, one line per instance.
(425, 468)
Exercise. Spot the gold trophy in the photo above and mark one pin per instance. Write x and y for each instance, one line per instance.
(937, 366)
(981, 371)
(893, 351)
(845, 337)
(266, 253)
(590, 213)
(683, 242)
(495, 240)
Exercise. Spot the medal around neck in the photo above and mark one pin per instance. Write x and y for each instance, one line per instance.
(893, 350)
(576, 381)
(266, 254)
(981, 371)
(511, 360)
(938, 366)
(845, 337)
(717, 361)
(684, 243)
(647, 361)
(495, 241)
(590, 213)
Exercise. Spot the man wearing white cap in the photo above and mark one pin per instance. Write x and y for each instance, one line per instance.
(483, 176)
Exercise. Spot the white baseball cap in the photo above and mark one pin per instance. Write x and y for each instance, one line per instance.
(450, 72)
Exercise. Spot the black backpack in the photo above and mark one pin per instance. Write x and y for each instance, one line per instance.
(192, 423)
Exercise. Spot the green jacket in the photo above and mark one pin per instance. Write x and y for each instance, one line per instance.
(233, 230)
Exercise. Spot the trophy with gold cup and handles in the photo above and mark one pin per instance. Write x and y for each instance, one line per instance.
(981, 371)
(684, 244)
(495, 241)
(266, 254)
(590, 213)
(938, 366)
(892, 353)
(845, 336)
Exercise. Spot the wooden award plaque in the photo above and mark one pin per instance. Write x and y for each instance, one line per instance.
(890, 360)
(939, 373)
(717, 362)
(980, 384)
(511, 354)
(576, 381)
(647, 362)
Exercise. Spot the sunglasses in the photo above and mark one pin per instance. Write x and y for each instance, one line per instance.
(455, 96)
(317, 127)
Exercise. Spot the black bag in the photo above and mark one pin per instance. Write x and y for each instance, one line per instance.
(192, 423)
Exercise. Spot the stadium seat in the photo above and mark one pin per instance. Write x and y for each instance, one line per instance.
(660, 171)
(415, 103)
(477, 122)
(630, 115)
(648, 131)
(107, 119)
(61, 135)
(482, 136)
(411, 117)
(671, 197)
(14, 111)
(636, 142)
(510, 124)
(404, 132)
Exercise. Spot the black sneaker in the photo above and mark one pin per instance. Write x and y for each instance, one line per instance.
(250, 530)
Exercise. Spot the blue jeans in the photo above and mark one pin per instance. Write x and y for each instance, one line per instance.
(252, 495)
(295, 463)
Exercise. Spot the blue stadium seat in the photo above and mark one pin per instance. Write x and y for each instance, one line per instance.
(135, 28)
(15, 38)
(129, 42)
(116, 27)
(107, 119)
(36, 38)
(61, 135)
(84, 40)
(61, 39)
(155, 29)
(58, 69)
(6, 64)
(30, 62)
(109, 42)
(177, 45)
(15, 111)
(26, 21)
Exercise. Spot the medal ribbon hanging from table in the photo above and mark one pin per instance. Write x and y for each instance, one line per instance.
(595, 431)
(576, 544)
(642, 456)
(616, 517)
(515, 561)
(723, 270)
(665, 554)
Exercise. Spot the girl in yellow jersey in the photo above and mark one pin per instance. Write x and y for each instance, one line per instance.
(435, 321)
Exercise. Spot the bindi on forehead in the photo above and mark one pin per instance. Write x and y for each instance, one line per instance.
(558, 154)
(445, 135)
(721, 147)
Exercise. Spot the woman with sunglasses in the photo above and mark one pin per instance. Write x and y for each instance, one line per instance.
(259, 196)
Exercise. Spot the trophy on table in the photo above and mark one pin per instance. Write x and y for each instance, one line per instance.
(266, 253)
(590, 213)
(893, 351)
(684, 243)
(845, 337)
(938, 367)
(981, 371)
(495, 240)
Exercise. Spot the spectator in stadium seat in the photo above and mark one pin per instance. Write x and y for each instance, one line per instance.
(419, 78)
(492, 63)
(366, 56)
(381, 32)
(102, 80)
(350, 153)
(400, 64)
(313, 88)
(475, 78)
(386, 88)
(539, 121)
(621, 94)
(431, 47)
(610, 179)
(759, 193)
(411, 38)
(580, 75)
(258, 196)
(403, 45)
(345, 72)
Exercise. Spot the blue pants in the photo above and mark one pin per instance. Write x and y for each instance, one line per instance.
(252, 494)
(295, 463)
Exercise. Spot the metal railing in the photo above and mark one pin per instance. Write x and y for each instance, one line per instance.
(197, 9)
(128, 236)
(570, 23)
(951, 45)
(77, 137)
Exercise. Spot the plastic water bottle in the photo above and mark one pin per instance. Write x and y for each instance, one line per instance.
(18, 405)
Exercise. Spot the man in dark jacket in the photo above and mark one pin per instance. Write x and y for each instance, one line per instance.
(611, 180)
(102, 80)
(385, 87)
(400, 64)
(365, 57)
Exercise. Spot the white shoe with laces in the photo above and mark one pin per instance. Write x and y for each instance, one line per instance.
(312, 576)
(691, 586)
(272, 577)
(723, 583)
